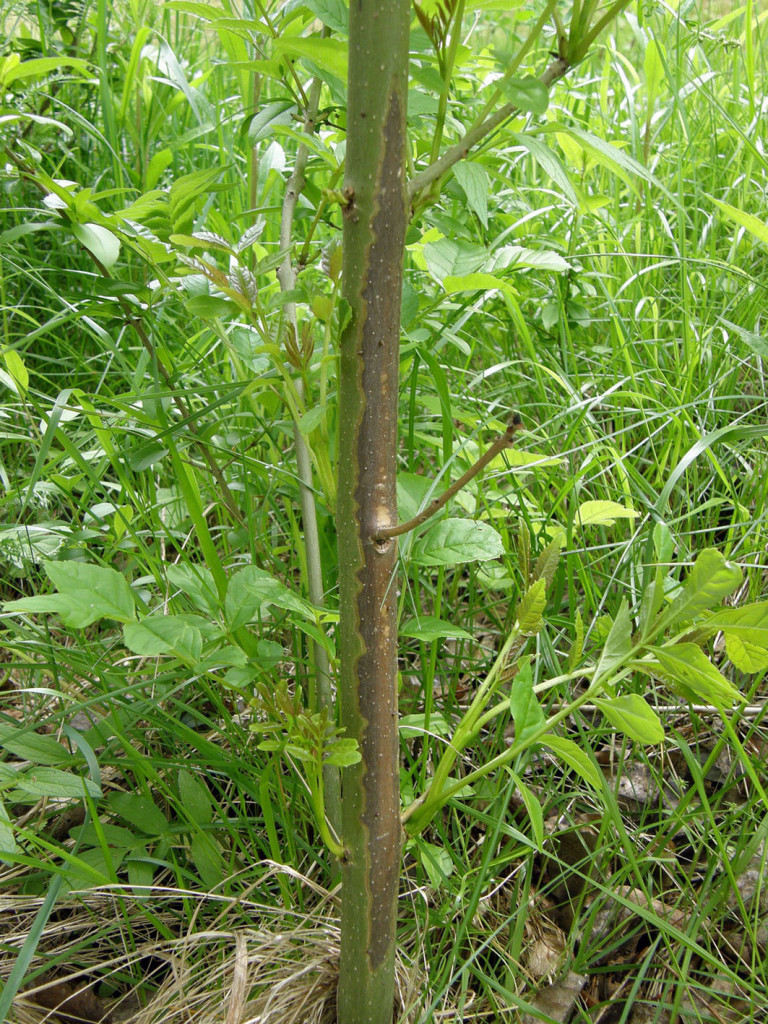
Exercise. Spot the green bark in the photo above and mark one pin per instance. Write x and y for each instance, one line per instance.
(374, 235)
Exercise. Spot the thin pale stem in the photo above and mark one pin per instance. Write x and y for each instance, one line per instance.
(287, 277)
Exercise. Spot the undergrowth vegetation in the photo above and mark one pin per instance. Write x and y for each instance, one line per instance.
(598, 267)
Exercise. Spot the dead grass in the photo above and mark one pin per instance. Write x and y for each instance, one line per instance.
(239, 962)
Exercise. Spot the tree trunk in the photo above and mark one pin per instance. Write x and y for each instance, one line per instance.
(374, 235)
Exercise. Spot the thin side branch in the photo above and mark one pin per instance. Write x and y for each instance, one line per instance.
(557, 69)
(505, 441)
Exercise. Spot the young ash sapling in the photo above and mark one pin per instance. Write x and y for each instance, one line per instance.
(663, 637)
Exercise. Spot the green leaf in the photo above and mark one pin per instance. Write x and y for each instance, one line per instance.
(29, 746)
(756, 342)
(41, 66)
(47, 604)
(226, 656)
(93, 867)
(478, 282)
(8, 119)
(474, 180)
(316, 633)
(447, 257)
(312, 419)
(164, 634)
(412, 726)
(7, 841)
(429, 628)
(746, 656)
(524, 705)
(333, 13)
(206, 856)
(39, 782)
(270, 116)
(524, 551)
(436, 861)
(754, 225)
(105, 589)
(453, 541)
(652, 600)
(493, 5)
(251, 588)
(195, 798)
(604, 154)
(341, 753)
(689, 671)
(515, 257)
(203, 240)
(413, 493)
(201, 10)
(141, 812)
(526, 93)
(534, 809)
(329, 55)
(87, 593)
(18, 371)
(631, 715)
(618, 644)
(99, 241)
(711, 579)
(575, 758)
(209, 306)
(550, 164)
(161, 161)
(188, 190)
(548, 560)
(344, 313)
(550, 315)
(197, 583)
(663, 543)
(515, 458)
(653, 67)
(602, 513)
(115, 835)
(578, 313)
(654, 590)
(440, 382)
(574, 656)
(172, 70)
(749, 623)
(530, 608)
(140, 873)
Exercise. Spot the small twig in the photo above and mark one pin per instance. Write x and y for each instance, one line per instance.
(506, 439)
